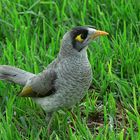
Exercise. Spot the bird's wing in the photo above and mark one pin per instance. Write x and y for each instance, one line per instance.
(40, 85)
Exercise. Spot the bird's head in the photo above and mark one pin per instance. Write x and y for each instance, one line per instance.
(75, 40)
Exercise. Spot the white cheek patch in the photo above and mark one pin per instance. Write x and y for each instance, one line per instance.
(91, 31)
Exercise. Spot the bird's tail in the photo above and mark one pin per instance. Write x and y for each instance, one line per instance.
(15, 75)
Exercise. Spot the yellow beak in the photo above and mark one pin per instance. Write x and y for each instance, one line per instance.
(98, 33)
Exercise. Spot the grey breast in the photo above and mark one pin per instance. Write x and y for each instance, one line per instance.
(74, 77)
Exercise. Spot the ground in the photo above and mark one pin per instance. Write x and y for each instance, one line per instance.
(30, 36)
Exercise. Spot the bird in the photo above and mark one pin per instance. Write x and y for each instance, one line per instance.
(66, 80)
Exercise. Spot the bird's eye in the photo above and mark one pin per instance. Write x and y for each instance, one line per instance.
(83, 36)
(80, 37)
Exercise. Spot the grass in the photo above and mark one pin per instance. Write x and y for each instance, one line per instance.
(30, 34)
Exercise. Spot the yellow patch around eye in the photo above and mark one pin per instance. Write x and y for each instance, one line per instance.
(78, 38)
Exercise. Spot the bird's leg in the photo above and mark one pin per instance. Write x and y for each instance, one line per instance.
(49, 118)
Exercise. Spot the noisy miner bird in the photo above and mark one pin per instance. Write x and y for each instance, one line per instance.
(66, 80)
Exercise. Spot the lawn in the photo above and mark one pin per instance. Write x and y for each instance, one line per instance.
(30, 36)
